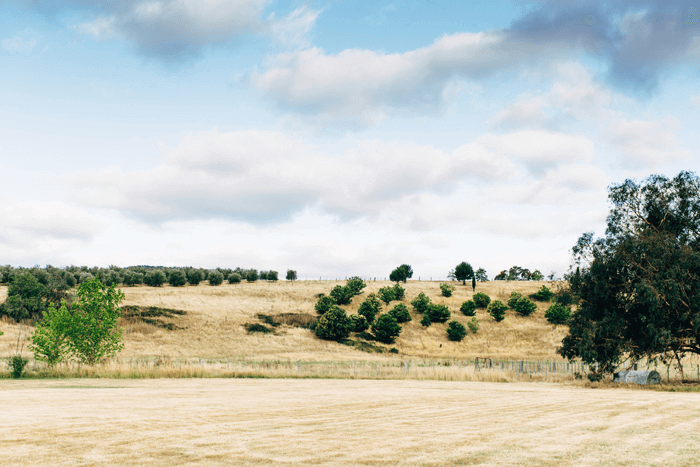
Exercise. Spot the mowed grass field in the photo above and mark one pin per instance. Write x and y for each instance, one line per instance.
(213, 325)
(213, 422)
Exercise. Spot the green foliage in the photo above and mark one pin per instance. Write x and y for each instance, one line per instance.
(195, 276)
(481, 275)
(17, 364)
(558, 314)
(481, 300)
(399, 292)
(497, 310)
(215, 278)
(355, 285)
(324, 303)
(462, 272)
(177, 278)
(514, 297)
(334, 325)
(516, 273)
(456, 331)
(291, 275)
(386, 329)
(447, 289)
(437, 313)
(272, 276)
(155, 278)
(425, 320)
(563, 296)
(359, 323)
(251, 275)
(543, 295)
(525, 306)
(401, 274)
(370, 308)
(468, 308)
(26, 298)
(130, 278)
(420, 303)
(386, 294)
(473, 325)
(234, 278)
(342, 295)
(262, 275)
(400, 313)
(50, 339)
(639, 286)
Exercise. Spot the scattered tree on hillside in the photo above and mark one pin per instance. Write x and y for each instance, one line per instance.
(386, 329)
(291, 275)
(401, 274)
(463, 271)
(481, 275)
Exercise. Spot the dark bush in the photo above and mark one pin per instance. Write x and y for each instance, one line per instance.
(425, 320)
(447, 289)
(257, 327)
(17, 364)
(514, 297)
(543, 295)
(420, 303)
(370, 308)
(355, 285)
(291, 275)
(177, 279)
(154, 278)
(194, 276)
(262, 276)
(359, 323)
(342, 295)
(234, 278)
(400, 313)
(468, 308)
(481, 299)
(215, 278)
(334, 325)
(251, 275)
(438, 313)
(324, 303)
(558, 314)
(26, 298)
(497, 310)
(386, 294)
(525, 306)
(456, 331)
(386, 329)
(564, 297)
(399, 292)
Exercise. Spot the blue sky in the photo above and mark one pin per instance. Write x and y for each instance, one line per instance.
(334, 137)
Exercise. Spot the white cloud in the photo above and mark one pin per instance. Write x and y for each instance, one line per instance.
(293, 30)
(18, 45)
(100, 28)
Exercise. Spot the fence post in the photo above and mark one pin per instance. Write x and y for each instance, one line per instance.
(299, 366)
(353, 368)
(405, 367)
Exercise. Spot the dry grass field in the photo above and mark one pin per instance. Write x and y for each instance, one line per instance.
(173, 422)
(213, 325)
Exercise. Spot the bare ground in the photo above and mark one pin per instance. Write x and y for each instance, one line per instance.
(166, 422)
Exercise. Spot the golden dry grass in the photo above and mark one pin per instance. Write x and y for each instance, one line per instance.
(215, 318)
(166, 422)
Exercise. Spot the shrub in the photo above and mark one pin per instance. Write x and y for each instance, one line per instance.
(420, 303)
(25, 298)
(473, 325)
(543, 295)
(215, 278)
(291, 275)
(558, 314)
(425, 320)
(251, 275)
(355, 285)
(194, 276)
(370, 308)
(400, 312)
(438, 313)
(481, 300)
(514, 297)
(386, 294)
(456, 331)
(154, 278)
(17, 364)
(49, 341)
(497, 310)
(468, 308)
(386, 329)
(525, 306)
(324, 304)
(564, 297)
(234, 278)
(177, 279)
(342, 295)
(334, 325)
(399, 292)
(447, 289)
(359, 323)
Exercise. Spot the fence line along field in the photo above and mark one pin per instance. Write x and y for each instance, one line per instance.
(215, 316)
(168, 422)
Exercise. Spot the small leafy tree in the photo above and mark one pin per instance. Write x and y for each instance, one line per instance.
(195, 276)
(355, 285)
(399, 292)
(370, 308)
(177, 279)
(543, 295)
(272, 276)
(447, 289)
(524, 306)
(400, 313)
(425, 320)
(342, 295)
(438, 313)
(26, 298)
(481, 275)
(386, 329)
(251, 275)
(291, 275)
(481, 300)
(401, 274)
(359, 323)
(334, 325)
(473, 325)
(386, 294)
(216, 278)
(50, 339)
(468, 308)
(558, 314)
(324, 303)
(463, 271)
(456, 331)
(497, 310)
(155, 278)
(420, 303)
(234, 278)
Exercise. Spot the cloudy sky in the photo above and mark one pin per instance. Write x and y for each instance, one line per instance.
(334, 137)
